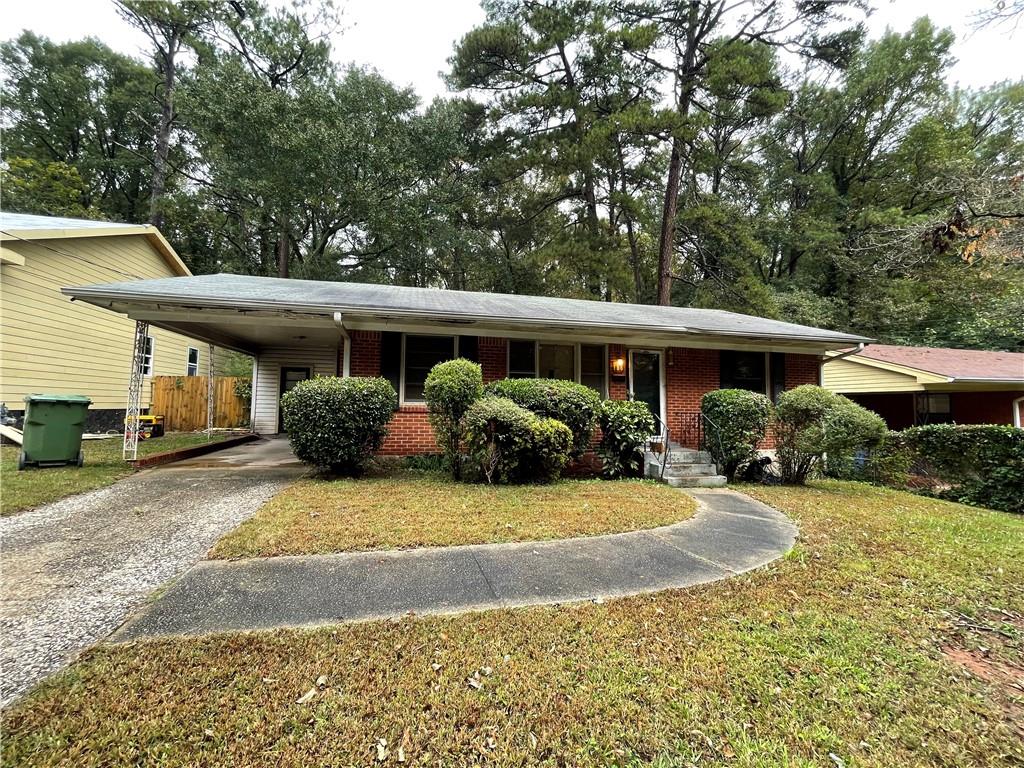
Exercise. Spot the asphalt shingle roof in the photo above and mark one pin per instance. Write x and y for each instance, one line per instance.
(243, 291)
(955, 363)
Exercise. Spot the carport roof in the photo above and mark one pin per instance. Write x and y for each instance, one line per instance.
(356, 300)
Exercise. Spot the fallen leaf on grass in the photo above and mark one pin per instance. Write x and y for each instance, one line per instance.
(307, 697)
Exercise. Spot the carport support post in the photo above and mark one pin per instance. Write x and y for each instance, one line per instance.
(209, 393)
(132, 412)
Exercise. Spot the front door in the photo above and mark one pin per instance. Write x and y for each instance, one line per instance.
(645, 382)
(289, 378)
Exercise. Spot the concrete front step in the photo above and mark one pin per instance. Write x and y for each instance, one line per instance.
(703, 481)
(677, 469)
(681, 456)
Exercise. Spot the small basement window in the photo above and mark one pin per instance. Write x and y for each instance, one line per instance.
(192, 363)
(420, 354)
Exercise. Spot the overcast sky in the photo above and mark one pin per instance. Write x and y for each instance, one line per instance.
(409, 41)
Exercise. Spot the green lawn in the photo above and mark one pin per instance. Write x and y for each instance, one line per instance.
(421, 509)
(891, 636)
(103, 466)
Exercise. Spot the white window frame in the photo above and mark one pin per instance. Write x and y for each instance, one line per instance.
(188, 361)
(402, 400)
(577, 359)
(148, 359)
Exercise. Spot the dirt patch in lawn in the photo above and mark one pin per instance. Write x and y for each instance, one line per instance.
(422, 509)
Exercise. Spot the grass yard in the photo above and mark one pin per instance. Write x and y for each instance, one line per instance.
(103, 466)
(892, 636)
(417, 508)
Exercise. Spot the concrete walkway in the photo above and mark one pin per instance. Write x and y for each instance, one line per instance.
(729, 534)
(74, 570)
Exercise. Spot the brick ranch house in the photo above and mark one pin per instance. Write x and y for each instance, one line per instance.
(296, 329)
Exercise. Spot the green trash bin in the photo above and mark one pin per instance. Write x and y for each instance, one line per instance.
(52, 436)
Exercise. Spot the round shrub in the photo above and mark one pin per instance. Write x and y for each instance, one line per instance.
(337, 423)
(812, 422)
(552, 446)
(626, 426)
(736, 420)
(451, 387)
(497, 433)
(575, 405)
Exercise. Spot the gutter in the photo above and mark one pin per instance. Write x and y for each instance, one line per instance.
(346, 355)
(257, 305)
(859, 348)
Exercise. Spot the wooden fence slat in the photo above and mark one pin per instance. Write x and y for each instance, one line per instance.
(181, 400)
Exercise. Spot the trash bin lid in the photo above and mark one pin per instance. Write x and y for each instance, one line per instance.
(75, 399)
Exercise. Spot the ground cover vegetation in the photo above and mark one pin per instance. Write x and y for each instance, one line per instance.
(762, 157)
(103, 466)
(893, 635)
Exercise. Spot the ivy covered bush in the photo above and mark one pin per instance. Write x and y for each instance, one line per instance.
(506, 443)
(812, 422)
(736, 420)
(979, 464)
(575, 405)
(626, 426)
(450, 389)
(337, 423)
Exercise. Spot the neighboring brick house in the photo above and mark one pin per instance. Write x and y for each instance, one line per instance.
(666, 356)
(909, 386)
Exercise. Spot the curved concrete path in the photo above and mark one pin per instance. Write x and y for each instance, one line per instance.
(729, 534)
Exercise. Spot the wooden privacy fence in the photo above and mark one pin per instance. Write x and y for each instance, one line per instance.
(181, 400)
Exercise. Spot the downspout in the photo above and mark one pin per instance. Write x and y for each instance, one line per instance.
(827, 359)
(346, 355)
(1017, 405)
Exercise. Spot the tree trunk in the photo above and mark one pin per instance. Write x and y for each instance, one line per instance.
(282, 252)
(668, 226)
(158, 187)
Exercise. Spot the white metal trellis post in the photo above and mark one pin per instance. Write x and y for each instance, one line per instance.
(209, 393)
(134, 409)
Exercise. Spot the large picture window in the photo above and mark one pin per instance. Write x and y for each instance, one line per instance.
(556, 361)
(421, 354)
(594, 368)
(522, 359)
(743, 370)
(583, 363)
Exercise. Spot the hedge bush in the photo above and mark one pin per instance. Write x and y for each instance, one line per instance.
(337, 423)
(450, 389)
(981, 464)
(888, 463)
(812, 422)
(626, 426)
(736, 421)
(575, 405)
(550, 452)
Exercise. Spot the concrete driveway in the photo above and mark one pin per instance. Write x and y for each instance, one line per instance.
(73, 570)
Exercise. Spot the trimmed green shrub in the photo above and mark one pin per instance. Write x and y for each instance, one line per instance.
(450, 389)
(497, 433)
(812, 422)
(337, 423)
(979, 464)
(551, 450)
(575, 405)
(736, 420)
(626, 426)
(888, 463)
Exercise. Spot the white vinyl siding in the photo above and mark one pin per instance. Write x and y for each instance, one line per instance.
(321, 361)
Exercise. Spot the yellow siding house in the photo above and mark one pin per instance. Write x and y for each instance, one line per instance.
(51, 344)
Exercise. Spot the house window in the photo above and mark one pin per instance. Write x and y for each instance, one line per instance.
(743, 370)
(147, 357)
(192, 364)
(593, 368)
(933, 409)
(421, 353)
(522, 359)
(556, 361)
(777, 364)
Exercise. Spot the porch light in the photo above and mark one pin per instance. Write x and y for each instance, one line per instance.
(619, 365)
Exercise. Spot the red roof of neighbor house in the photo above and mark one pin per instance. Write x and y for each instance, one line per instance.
(955, 363)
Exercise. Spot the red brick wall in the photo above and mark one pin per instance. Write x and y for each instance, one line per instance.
(409, 433)
(802, 369)
(493, 354)
(617, 388)
(983, 407)
(365, 360)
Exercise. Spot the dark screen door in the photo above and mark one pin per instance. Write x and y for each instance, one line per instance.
(289, 378)
(645, 378)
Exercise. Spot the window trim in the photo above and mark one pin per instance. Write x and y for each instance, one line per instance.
(402, 400)
(767, 391)
(147, 370)
(188, 361)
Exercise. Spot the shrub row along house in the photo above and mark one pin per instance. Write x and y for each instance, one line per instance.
(667, 357)
(51, 345)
